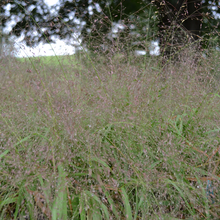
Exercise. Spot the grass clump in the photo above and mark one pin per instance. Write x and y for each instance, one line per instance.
(110, 140)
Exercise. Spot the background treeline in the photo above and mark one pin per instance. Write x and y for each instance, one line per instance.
(96, 22)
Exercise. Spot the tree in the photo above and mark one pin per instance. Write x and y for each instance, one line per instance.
(185, 22)
(180, 23)
(99, 20)
(28, 16)
(1, 36)
(94, 19)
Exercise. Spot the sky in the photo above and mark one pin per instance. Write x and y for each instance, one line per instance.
(60, 47)
(51, 2)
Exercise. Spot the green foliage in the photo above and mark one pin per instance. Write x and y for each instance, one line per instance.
(138, 18)
(32, 14)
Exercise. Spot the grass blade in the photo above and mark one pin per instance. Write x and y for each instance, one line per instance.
(125, 199)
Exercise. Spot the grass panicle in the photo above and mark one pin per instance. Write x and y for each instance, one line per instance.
(110, 136)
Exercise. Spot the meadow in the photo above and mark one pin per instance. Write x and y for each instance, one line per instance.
(110, 137)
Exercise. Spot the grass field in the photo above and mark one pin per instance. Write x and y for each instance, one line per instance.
(51, 60)
(113, 138)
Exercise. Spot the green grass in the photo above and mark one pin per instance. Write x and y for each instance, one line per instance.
(118, 139)
(51, 60)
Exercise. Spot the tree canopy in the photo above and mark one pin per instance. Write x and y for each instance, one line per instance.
(99, 20)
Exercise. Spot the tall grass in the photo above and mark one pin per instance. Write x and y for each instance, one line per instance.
(110, 137)
(140, 144)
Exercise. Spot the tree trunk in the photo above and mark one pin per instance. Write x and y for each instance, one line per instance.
(180, 23)
(1, 37)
